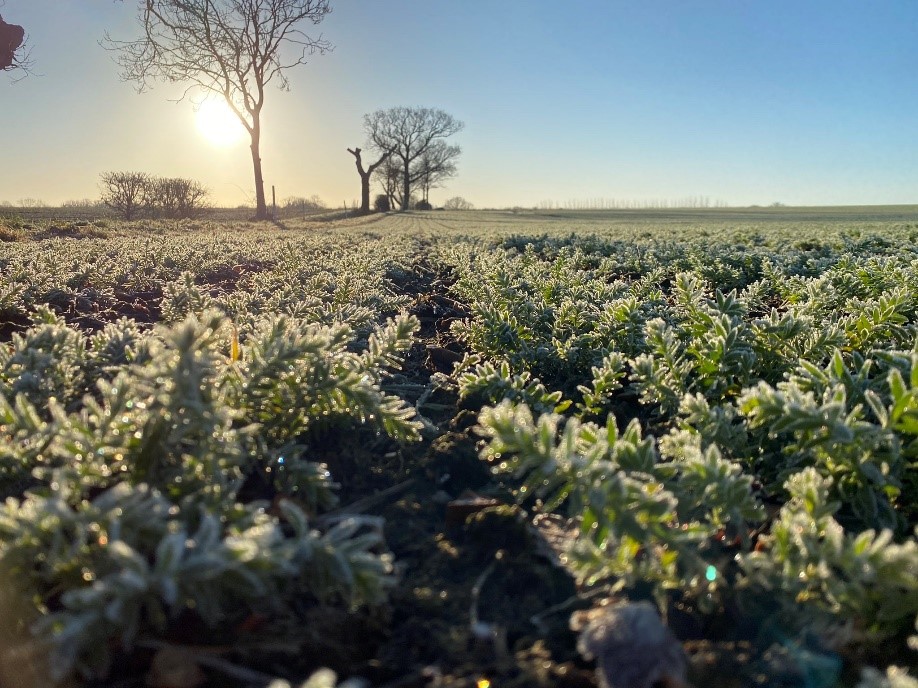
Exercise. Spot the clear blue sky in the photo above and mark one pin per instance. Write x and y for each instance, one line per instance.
(805, 102)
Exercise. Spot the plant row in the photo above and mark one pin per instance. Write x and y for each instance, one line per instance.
(733, 428)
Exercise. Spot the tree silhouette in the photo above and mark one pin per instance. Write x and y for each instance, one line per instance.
(435, 166)
(389, 175)
(410, 133)
(232, 48)
(365, 175)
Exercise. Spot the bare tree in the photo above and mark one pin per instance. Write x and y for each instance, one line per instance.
(365, 175)
(12, 37)
(435, 166)
(178, 198)
(127, 193)
(457, 203)
(233, 48)
(133, 194)
(409, 133)
(389, 176)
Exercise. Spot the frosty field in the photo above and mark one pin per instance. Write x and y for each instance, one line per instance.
(438, 448)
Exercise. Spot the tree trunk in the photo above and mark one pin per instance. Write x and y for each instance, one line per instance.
(365, 176)
(261, 205)
(364, 182)
(406, 187)
(365, 194)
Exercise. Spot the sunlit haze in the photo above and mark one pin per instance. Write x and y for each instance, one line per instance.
(218, 124)
(802, 103)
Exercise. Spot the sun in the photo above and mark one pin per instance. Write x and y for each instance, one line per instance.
(218, 123)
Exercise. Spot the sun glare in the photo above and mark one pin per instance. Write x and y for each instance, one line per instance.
(218, 124)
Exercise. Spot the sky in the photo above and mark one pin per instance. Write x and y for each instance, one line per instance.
(801, 102)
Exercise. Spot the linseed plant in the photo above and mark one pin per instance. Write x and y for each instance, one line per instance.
(727, 416)
(123, 507)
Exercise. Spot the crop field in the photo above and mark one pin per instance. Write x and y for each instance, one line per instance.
(461, 449)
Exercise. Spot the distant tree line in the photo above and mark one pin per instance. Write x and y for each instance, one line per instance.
(457, 203)
(27, 203)
(137, 194)
(295, 206)
(631, 204)
(84, 204)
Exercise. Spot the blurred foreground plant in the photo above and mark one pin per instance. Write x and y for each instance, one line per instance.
(124, 512)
